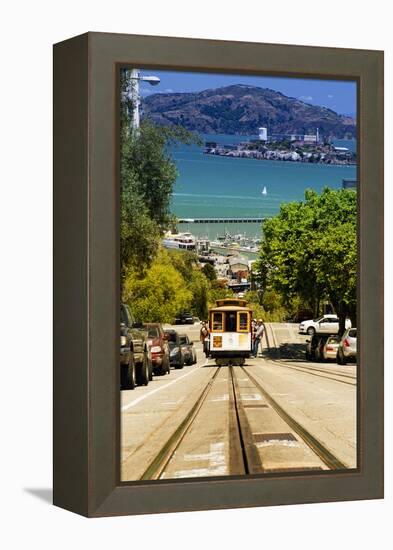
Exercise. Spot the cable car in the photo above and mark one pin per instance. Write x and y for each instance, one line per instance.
(230, 331)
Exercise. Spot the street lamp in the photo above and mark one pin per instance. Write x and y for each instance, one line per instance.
(134, 95)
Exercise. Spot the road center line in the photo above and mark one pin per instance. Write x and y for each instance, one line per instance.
(142, 397)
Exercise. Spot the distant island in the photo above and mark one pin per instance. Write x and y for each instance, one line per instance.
(241, 109)
(310, 150)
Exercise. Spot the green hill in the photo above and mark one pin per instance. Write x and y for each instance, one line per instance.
(242, 109)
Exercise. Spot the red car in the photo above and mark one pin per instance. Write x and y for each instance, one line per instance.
(159, 348)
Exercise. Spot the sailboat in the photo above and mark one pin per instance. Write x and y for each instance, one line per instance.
(264, 191)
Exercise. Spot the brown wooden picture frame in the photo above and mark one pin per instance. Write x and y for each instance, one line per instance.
(86, 274)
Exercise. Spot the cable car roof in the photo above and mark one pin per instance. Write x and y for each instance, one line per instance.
(231, 302)
(229, 308)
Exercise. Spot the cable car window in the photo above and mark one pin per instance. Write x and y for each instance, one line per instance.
(243, 322)
(230, 322)
(217, 321)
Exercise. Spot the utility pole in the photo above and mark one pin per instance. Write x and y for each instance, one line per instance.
(134, 95)
(135, 99)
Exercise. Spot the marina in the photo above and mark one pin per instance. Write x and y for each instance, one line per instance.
(203, 246)
(230, 255)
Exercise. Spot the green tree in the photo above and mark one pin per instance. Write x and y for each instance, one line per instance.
(199, 288)
(309, 251)
(275, 312)
(159, 294)
(139, 234)
(149, 159)
(209, 272)
(218, 291)
(271, 300)
(186, 263)
(147, 177)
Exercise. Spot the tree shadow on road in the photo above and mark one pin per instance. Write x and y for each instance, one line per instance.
(286, 351)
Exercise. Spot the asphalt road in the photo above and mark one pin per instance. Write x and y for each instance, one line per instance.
(280, 413)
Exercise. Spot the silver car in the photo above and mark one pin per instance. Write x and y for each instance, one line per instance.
(347, 347)
(329, 348)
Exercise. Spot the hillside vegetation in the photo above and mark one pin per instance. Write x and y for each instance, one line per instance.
(241, 109)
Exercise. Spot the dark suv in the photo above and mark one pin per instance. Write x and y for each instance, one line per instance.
(176, 352)
(134, 355)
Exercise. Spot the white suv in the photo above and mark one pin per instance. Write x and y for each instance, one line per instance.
(327, 324)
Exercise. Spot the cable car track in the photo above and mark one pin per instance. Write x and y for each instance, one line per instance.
(244, 457)
(327, 457)
(167, 451)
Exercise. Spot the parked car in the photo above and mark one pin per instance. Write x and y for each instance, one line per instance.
(311, 346)
(315, 345)
(184, 318)
(346, 350)
(188, 349)
(159, 348)
(127, 361)
(327, 348)
(176, 352)
(134, 353)
(327, 324)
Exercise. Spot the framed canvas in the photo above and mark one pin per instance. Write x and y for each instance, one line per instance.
(221, 202)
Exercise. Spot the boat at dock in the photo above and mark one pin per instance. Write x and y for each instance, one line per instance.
(236, 243)
(179, 241)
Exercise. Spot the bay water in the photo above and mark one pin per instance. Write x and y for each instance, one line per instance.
(224, 187)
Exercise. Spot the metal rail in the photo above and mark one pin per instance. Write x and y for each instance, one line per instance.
(161, 460)
(251, 457)
(243, 456)
(327, 457)
(310, 370)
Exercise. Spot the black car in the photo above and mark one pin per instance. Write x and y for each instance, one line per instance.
(176, 351)
(134, 354)
(184, 318)
(188, 349)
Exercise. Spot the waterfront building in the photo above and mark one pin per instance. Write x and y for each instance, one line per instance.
(203, 246)
(239, 286)
(310, 138)
(262, 134)
(238, 267)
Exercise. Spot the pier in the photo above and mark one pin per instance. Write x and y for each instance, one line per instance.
(220, 220)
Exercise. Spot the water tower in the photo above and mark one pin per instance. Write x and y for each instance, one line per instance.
(262, 134)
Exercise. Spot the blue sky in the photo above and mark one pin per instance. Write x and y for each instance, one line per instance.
(340, 96)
